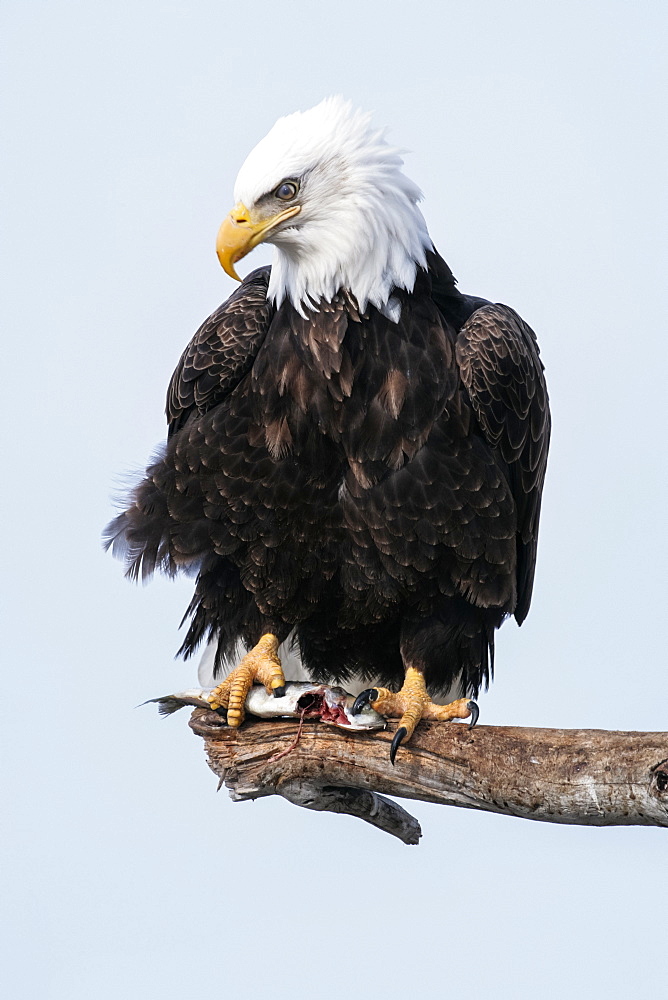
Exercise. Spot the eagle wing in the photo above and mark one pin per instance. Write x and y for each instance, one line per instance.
(500, 366)
(221, 352)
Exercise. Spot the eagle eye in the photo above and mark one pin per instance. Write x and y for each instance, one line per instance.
(286, 190)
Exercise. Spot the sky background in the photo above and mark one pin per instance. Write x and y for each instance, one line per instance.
(535, 132)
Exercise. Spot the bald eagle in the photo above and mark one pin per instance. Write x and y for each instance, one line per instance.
(356, 450)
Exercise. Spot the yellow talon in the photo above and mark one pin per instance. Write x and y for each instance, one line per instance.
(260, 664)
(412, 703)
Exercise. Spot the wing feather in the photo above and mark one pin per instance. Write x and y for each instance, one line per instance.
(500, 366)
(221, 352)
(165, 524)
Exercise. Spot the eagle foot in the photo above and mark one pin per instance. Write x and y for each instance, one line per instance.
(260, 665)
(411, 704)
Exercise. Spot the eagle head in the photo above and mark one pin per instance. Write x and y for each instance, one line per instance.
(327, 190)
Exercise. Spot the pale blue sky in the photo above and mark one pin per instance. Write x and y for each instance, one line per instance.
(536, 134)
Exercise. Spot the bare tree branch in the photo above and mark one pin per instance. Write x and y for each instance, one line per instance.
(583, 776)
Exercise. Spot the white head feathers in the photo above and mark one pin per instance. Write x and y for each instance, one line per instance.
(359, 226)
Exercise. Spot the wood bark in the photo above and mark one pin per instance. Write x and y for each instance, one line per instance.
(581, 776)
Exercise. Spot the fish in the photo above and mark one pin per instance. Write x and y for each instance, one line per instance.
(331, 705)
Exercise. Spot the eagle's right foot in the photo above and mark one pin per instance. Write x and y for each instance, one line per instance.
(260, 665)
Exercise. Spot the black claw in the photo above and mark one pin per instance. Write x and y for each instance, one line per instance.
(399, 737)
(475, 713)
(279, 692)
(364, 698)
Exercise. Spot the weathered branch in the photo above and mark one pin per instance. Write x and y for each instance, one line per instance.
(582, 776)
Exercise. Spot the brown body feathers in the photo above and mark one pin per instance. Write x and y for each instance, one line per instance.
(352, 480)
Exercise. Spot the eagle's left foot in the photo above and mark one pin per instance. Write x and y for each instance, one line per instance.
(260, 664)
(411, 704)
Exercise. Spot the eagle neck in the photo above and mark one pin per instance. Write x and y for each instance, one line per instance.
(385, 258)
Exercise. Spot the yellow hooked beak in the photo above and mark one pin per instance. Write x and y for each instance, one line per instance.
(239, 234)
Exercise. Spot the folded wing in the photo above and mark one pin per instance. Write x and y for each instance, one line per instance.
(500, 366)
(163, 526)
(221, 352)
